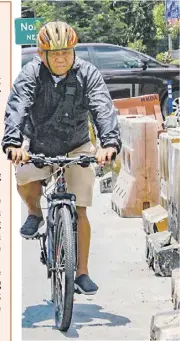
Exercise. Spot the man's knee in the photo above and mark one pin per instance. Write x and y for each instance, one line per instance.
(31, 190)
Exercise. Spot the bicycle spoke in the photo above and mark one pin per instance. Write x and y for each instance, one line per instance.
(59, 274)
(60, 252)
(59, 296)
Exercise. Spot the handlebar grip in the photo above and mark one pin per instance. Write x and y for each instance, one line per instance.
(9, 155)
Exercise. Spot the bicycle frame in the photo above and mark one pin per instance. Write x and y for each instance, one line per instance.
(58, 198)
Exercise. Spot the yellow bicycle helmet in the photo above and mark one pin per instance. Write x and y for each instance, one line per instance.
(56, 35)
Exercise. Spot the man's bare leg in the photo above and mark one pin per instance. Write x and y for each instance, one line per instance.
(31, 195)
(83, 283)
(84, 235)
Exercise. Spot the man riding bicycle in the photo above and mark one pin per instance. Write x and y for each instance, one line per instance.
(50, 102)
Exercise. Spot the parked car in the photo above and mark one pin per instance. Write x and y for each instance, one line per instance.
(127, 73)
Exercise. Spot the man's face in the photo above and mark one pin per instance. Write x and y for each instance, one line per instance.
(60, 61)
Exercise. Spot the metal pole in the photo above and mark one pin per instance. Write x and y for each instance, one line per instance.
(170, 44)
(170, 100)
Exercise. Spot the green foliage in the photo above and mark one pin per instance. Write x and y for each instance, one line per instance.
(159, 20)
(138, 46)
(41, 8)
(175, 30)
(175, 62)
(138, 24)
(99, 21)
(139, 20)
(164, 57)
(38, 24)
(94, 21)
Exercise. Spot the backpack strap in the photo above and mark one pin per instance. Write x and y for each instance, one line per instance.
(65, 108)
(70, 92)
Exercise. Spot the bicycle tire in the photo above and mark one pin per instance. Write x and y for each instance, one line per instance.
(50, 263)
(53, 285)
(64, 245)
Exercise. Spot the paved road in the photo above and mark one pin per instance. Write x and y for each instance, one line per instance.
(129, 293)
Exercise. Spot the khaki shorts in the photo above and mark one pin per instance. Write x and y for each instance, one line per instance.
(80, 181)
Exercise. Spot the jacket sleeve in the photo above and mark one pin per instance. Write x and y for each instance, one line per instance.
(21, 98)
(102, 109)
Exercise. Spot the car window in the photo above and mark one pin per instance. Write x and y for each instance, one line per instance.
(114, 58)
(151, 63)
(82, 52)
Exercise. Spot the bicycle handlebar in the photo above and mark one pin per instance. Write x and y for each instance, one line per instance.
(40, 160)
(62, 160)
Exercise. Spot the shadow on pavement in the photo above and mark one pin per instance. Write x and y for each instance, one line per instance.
(83, 315)
(38, 313)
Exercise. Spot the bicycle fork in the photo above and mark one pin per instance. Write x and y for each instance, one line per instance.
(51, 228)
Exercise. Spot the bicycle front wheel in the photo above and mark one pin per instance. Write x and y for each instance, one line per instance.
(64, 269)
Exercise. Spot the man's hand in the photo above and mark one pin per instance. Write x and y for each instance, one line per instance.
(104, 155)
(18, 154)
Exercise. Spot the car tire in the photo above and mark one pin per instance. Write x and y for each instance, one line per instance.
(176, 104)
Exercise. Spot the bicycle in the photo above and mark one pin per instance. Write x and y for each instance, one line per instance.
(58, 244)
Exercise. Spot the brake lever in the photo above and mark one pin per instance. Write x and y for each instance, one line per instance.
(85, 164)
(38, 160)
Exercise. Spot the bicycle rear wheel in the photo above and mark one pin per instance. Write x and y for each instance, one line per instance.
(64, 269)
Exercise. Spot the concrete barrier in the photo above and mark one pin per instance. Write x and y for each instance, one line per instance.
(163, 248)
(174, 191)
(137, 186)
(155, 219)
(162, 253)
(165, 326)
(176, 296)
(163, 169)
(168, 333)
(175, 288)
(165, 141)
(142, 105)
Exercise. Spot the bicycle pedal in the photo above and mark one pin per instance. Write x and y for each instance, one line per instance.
(37, 237)
(30, 238)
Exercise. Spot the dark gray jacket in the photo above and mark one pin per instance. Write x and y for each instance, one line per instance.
(55, 117)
